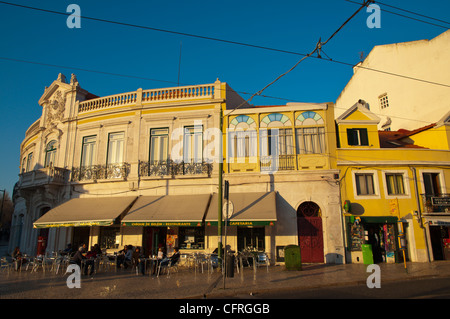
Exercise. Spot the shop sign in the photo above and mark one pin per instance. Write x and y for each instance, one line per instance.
(439, 223)
(440, 201)
(162, 224)
(245, 223)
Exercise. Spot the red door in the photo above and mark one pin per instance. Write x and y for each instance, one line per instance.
(310, 238)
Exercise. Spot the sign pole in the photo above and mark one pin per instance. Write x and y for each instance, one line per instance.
(219, 195)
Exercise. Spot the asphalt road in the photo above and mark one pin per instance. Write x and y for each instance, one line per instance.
(430, 288)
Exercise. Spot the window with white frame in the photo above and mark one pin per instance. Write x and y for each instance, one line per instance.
(50, 154)
(365, 184)
(159, 145)
(243, 143)
(88, 151)
(357, 137)
(276, 142)
(29, 161)
(115, 147)
(193, 144)
(383, 100)
(395, 184)
(310, 140)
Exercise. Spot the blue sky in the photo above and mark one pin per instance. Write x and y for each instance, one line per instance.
(286, 25)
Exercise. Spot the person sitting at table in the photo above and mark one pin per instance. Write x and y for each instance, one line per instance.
(124, 256)
(159, 258)
(138, 260)
(78, 257)
(18, 258)
(90, 261)
(173, 259)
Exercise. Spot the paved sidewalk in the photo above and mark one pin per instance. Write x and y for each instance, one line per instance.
(186, 283)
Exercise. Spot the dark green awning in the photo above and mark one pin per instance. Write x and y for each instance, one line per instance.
(249, 209)
(168, 210)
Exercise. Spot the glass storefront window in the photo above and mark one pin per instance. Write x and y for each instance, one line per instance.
(108, 237)
(191, 238)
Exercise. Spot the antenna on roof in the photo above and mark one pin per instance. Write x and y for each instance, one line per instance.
(179, 66)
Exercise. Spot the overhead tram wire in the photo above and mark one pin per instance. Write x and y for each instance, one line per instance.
(228, 41)
(405, 16)
(415, 13)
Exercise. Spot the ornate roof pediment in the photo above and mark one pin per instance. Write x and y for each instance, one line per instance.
(60, 85)
(358, 114)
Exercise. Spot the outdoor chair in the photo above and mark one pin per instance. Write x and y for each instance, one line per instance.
(5, 264)
(168, 266)
(262, 260)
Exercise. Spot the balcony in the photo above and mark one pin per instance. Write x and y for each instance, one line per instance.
(169, 168)
(197, 92)
(43, 176)
(277, 163)
(119, 171)
(436, 204)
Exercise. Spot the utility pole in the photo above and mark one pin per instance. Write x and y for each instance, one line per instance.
(3, 200)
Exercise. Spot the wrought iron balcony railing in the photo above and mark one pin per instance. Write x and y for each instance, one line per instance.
(437, 203)
(98, 172)
(172, 168)
(278, 163)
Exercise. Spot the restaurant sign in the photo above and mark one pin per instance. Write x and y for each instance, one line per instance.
(162, 224)
(245, 223)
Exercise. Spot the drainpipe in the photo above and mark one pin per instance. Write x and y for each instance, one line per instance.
(419, 212)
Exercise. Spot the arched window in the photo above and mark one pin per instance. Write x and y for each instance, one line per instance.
(310, 133)
(50, 153)
(242, 137)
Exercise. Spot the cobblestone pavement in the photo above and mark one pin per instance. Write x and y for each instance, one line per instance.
(187, 283)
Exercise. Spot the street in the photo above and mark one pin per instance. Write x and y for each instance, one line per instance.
(432, 288)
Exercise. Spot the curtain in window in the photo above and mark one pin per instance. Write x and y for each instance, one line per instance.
(193, 144)
(88, 151)
(115, 148)
(394, 183)
(364, 184)
(310, 140)
(243, 143)
(159, 145)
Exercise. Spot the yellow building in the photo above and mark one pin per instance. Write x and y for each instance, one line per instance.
(290, 150)
(389, 177)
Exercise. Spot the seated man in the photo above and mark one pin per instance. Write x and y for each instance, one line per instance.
(90, 262)
(173, 259)
(125, 257)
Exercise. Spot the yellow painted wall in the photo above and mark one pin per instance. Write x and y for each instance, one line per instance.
(434, 138)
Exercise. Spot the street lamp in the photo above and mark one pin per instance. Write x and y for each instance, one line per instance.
(1, 209)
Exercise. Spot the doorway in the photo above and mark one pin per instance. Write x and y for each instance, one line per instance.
(80, 236)
(153, 239)
(440, 242)
(251, 238)
(310, 233)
